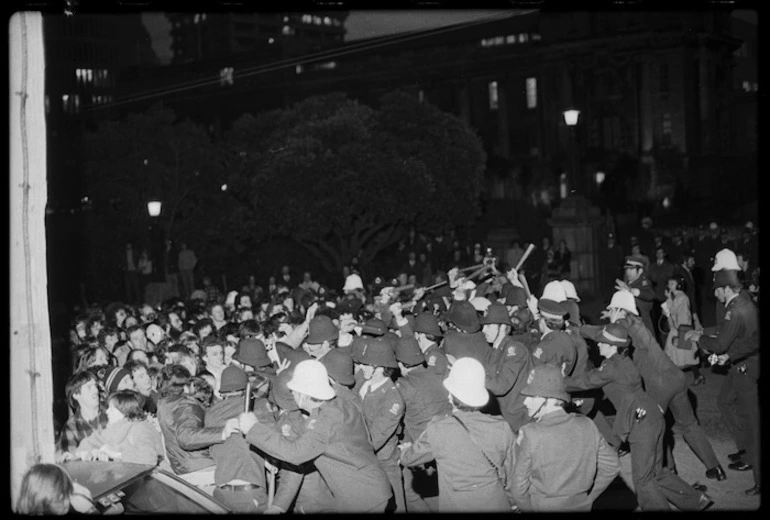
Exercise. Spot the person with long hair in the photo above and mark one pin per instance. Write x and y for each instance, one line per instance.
(47, 489)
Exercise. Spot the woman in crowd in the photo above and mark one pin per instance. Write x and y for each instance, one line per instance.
(677, 309)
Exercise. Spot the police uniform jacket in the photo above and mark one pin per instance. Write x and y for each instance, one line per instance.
(335, 438)
(466, 480)
(619, 378)
(563, 463)
(461, 344)
(303, 482)
(556, 347)
(507, 368)
(187, 440)
(573, 312)
(383, 410)
(424, 398)
(645, 298)
(662, 378)
(434, 355)
(738, 336)
(529, 337)
(234, 458)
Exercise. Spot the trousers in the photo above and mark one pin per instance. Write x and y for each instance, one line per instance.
(738, 401)
(393, 470)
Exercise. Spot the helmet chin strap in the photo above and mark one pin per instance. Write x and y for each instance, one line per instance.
(534, 415)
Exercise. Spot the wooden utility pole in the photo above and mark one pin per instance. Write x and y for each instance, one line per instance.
(32, 432)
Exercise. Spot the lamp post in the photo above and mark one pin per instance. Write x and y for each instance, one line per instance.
(571, 118)
(154, 208)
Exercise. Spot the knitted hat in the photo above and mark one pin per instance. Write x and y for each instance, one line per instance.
(252, 352)
(378, 353)
(408, 352)
(114, 377)
(234, 379)
(545, 381)
(322, 329)
(464, 316)
(427, 323)
(375, 327)
(551, 309)
(339, 365)
(498, 314)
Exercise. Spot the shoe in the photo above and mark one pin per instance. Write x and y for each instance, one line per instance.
(700, 487)
(752, 492)
(737, 455)
(699, 380)
(739, 465)
(717, 473)
(704, 502)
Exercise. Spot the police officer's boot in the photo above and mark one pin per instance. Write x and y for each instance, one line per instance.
(716, 472)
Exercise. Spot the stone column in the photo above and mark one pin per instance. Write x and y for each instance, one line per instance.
(580, 225)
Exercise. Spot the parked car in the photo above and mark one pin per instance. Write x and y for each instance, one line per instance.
(123, 487)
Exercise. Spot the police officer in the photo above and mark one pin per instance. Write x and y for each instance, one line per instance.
(562, 461)
(663, 381)
(424, 398)
(507, 365)
(428, 333)
(635, 280)
(334, 436)
(383, 409)
(736, 343)
(639, 419)
(555, 345)
(474, 452)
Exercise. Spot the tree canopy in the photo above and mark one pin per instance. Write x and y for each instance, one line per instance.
(342, 178)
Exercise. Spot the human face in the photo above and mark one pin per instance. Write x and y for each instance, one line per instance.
(218, 313)
(110, 341)
(127, 383)
(120, 317)
(606, 350)
(403, 278)
(88, 396)
(113, 414)
(205, 331)
(100, 358)
(245, 301)
(246, 315)
(631, 273)
(215, 357)
(141, 357)
(719, 292)
(130, 321)
(138, 339)
(80, 329)
(490, 331)
(533, 404)
(142, 381)
(317, 350)
(228, 353)
(190, 365)
(175, 321)
(96, 327)
(367, 371)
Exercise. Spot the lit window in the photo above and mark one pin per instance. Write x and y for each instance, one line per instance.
(493, 99)
(226, 76)
(511, 38)
(499, 40)
(327, 20)
(89, 75)
(306, 18)
(523, 37)
(485, 43)
(197, 18)
(746, 86)
(285, 19)
(271, 40)
(535, 37)
(531, 92)
(203, 17)
(298, 69)
(421, 95)
(328, 65)
(286, 30)
(317, 20)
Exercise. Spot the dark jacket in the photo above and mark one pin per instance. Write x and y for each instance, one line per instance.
(424, 398)
(557, 348)
(738, 336)
(187, 440)
(507, 368)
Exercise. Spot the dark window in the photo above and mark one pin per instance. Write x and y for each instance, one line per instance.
(665, 85)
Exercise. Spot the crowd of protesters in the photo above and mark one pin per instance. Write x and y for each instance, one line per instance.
(486, 392)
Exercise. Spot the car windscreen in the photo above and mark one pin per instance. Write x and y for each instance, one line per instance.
(157, 493)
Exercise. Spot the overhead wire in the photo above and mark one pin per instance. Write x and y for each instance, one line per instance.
(304, 59)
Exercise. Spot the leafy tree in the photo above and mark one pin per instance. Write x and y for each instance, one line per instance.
(343, 179)
(144, 156)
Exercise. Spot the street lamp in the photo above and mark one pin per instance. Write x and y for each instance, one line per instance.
(154, 207)
(571, 118)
